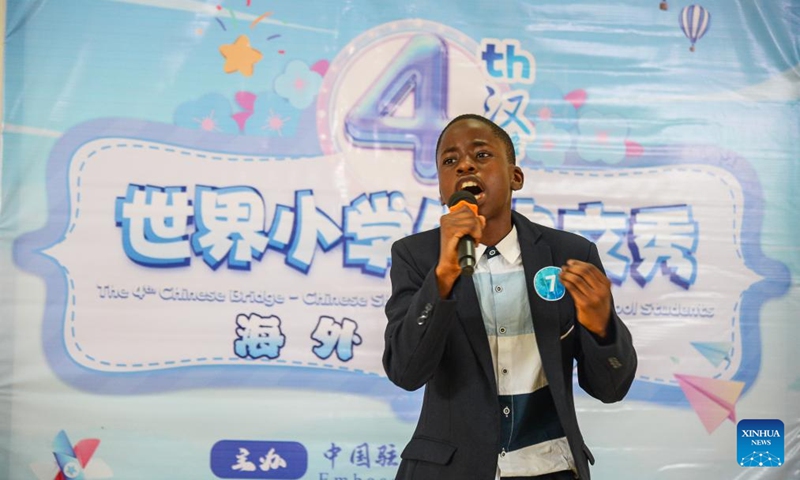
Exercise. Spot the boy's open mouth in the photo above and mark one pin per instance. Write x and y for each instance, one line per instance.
(471, 186)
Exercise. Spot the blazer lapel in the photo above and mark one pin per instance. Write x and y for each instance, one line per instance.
(535, 256)
(469, 313)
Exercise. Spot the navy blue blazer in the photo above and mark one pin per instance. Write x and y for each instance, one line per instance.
(442, 344)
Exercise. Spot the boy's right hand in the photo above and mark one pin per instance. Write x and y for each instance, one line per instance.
(459, 222)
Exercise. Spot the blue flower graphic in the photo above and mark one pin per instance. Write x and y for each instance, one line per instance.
(298, 84)
(550, 146)
(211, 113)
(602, 137)
(546, 103)
(273, 116)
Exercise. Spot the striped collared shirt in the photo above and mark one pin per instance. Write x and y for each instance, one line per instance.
(533, 441)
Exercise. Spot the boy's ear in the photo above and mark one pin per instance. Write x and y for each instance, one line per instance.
(517, 178)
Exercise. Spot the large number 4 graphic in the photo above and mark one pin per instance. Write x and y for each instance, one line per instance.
(421, 68)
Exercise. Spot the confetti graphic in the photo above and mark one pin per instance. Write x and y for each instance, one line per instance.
(233, 16)
(260, 17)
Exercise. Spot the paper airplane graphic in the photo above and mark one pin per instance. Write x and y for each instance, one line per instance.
(713, 400)
(715, 352)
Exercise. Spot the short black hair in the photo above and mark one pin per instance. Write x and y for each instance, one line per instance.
(497, 131)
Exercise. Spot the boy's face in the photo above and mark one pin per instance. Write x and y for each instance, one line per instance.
(471, 157)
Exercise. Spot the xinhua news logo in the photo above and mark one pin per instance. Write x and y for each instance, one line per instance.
(759, 443)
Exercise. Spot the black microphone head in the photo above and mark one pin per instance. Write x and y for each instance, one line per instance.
(461, 196)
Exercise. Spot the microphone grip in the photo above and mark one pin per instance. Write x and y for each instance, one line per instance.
(466, 255)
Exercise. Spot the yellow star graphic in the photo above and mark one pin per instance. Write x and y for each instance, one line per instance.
(240, 56)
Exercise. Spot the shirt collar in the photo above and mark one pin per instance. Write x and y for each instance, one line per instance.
(508, 247)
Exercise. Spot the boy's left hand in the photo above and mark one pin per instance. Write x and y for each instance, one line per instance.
(591, 291)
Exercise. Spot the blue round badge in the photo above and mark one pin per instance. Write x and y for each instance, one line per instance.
(548, 285)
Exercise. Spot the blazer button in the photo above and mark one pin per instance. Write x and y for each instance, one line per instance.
(424, 315)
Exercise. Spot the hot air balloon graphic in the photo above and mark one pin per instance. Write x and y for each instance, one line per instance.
(694, 21)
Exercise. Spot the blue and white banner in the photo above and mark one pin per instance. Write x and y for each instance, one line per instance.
(199, 200)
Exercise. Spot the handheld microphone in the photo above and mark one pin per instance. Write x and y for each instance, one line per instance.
(466, 244)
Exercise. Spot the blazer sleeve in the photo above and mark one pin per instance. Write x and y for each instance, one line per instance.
(418, 321)
(607, 367)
